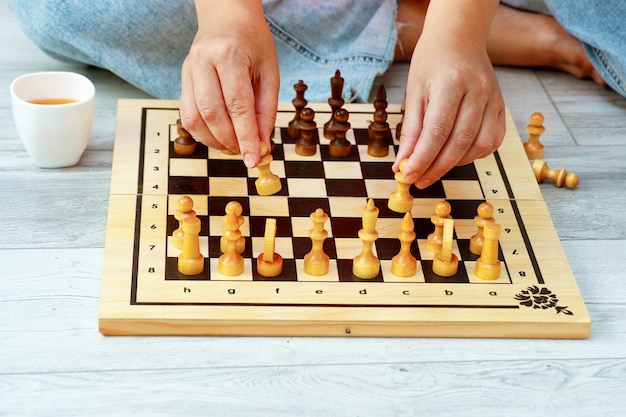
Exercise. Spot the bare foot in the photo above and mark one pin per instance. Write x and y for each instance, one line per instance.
(519, 38)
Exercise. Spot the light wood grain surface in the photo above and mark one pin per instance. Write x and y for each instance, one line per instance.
(54, 362)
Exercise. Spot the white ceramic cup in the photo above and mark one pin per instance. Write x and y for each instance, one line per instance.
(54, 135)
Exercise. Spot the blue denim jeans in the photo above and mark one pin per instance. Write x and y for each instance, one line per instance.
(601, 27)
(145, 42)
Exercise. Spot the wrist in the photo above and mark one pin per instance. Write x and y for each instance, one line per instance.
(459, 23)
(210, 12)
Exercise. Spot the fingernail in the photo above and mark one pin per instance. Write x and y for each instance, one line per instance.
(422, 184)
(248, 160)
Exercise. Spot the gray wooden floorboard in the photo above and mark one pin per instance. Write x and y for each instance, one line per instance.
(484, 388)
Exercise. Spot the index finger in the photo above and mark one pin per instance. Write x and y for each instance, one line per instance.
(239, 99)
(439, 116)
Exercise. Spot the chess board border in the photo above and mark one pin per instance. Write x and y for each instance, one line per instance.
(119, 315)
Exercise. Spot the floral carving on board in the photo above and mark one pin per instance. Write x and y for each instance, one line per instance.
(541, 298)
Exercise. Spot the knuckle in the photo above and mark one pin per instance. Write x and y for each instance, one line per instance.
(232, 51)
(219, 51)
(464, 140)
(483, 84)
(456, 75)
(222, 53)
(226, 52)
(195, 52)
(190, 123)
(483, 153)
(237, 106)
(208, 114)
(439, 132)
(485, 148)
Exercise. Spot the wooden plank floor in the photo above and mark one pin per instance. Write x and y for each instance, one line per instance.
(53, 361)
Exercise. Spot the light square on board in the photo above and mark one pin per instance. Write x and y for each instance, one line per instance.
(346, 206)
(380, 189)
(425, 254)
(462, 190)
(217, 227)
(309, 187)
(277, 138)
(349, 135)
(277, 167)
(301, 226)
(291, 155)
(218, 154)
(173, 131)
(269, 206)
(187, 167)
(350, 248)
(228, 186)
(342, 169)
(470, 267)
(173, 251)
(388, 227)
(282, 246)
(365, 157)
(465, 228)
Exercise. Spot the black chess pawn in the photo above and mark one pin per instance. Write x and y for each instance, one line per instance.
(299, 102)
(184, 144)
(380, 104)
(306, 144)
(340, 146)
(335, 102)
(378, 145)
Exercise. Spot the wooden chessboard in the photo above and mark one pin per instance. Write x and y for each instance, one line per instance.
(536, 295)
